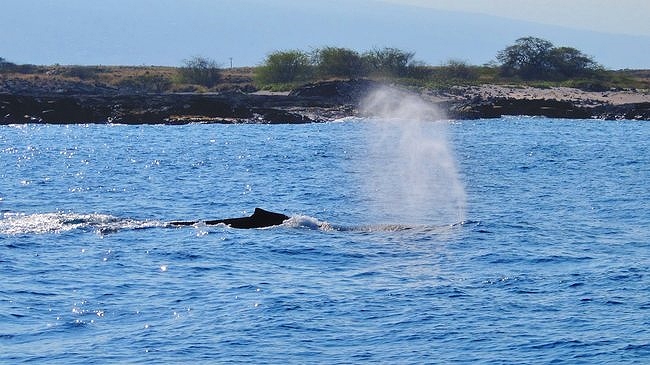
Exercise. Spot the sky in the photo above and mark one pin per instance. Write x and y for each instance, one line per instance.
(620, 16)
(165, 32)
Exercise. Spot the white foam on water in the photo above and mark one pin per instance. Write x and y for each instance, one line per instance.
(307, 222)
(58, 222)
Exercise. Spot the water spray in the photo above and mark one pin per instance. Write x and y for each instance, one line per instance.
(410, 173)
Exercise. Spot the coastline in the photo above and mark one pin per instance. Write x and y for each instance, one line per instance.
(319, 102)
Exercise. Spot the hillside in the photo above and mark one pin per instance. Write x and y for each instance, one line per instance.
(149, 94)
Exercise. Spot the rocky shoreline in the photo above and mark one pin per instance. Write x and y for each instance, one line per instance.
(320, 102)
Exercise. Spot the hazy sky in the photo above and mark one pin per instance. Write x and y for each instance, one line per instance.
(164, 32)
(610, 16)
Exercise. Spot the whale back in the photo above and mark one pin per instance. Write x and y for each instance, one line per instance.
(260, 218)
(264, 218)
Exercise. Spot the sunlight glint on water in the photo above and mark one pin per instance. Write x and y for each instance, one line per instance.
(552, 263)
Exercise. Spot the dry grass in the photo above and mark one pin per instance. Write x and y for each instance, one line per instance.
(166, 79)
(147, 78)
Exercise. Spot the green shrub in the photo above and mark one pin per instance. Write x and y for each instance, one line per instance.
(419, 71)
(21, 69)
(200, 71)
(338, 62)
(284, 67)
(388, 62)
(460, 70)
(6, 66)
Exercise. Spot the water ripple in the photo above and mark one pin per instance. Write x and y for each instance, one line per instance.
(550, 265)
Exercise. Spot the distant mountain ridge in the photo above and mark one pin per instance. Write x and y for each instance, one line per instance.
(164, 32)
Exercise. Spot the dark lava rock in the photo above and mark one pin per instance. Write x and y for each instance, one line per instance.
(323, 101)
(276, 116)
(495, 108)
(632, 111)
(348, 91)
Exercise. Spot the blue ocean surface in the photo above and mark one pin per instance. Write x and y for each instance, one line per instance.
(513, 240)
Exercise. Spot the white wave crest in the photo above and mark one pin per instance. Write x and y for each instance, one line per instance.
(304, 221)
(58, 222)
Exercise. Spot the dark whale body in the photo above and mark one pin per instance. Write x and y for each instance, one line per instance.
(260, 218)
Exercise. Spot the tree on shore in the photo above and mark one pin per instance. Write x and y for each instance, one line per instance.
(570, 62)
(390, 62)
(338, 62)
(284, 67)
(528, 58)
(460, 70)
(534, 58)
(201, 71)
(5, 65)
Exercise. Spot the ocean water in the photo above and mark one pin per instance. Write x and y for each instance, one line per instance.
(514, 240)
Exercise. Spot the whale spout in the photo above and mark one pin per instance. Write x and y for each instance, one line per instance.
(260, 218)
